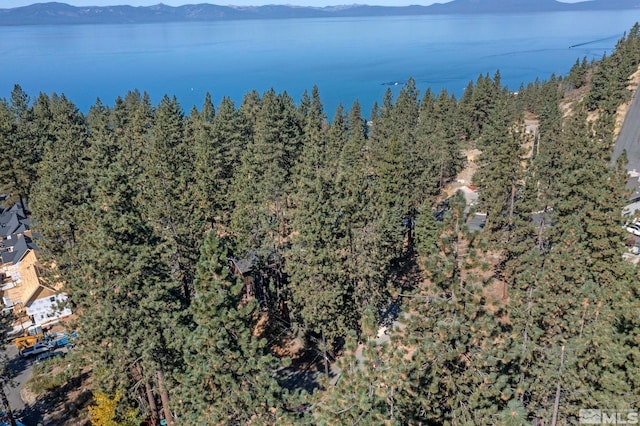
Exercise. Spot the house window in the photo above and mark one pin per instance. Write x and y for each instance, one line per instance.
(52, 299)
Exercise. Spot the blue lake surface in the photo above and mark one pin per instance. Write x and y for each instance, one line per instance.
(347, 58)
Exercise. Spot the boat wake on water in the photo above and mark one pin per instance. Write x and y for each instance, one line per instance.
(613, 37)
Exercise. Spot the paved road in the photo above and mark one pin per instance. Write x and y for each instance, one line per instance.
(629, 137)
(20, 370)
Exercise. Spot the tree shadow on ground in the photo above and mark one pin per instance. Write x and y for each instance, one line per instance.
(54, 407)
(304, 373)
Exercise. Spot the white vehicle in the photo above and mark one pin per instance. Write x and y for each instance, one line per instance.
(633, 228)
(36, 349)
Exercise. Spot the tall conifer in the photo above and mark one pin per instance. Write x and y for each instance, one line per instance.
(169, 190)
(229, 375)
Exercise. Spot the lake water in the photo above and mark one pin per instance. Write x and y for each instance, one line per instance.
(348, 58)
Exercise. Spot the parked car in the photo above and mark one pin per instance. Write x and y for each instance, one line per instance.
(48, 355)
(36, 349)
(633, 228)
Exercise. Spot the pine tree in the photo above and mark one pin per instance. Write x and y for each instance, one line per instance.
(366, 265)
(456, 340)
(23, 146)
(169, 190)
(337, 135)
(437, 159)
(228, 128)
(229, 376)
(500, 166)
(569, 343)
(262, 182)
(369, 388)
(547, 162)
(477, 103)
(321, 297)
(61, 189)
(132, 309)
(207, 159)
(217, 145)
(7, 130)
(577, 77)
(392, 143)
(465, 109)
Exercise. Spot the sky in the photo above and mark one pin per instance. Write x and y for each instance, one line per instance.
(17, 3)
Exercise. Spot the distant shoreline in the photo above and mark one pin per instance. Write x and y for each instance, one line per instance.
(63, 14)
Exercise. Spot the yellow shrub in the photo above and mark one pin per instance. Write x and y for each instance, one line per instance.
(103, 413)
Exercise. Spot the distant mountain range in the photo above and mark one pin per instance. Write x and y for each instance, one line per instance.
(64, 14)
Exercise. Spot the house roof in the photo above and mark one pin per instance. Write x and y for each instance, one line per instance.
(14, 251)
(21, 229)
(633, 185)
(631, 209)
(246, 264)
(18, 206)
(11, 218)
(477, 222)
(16, 241)
(37, 293)
(9, 223)
(470, 194)
(15, 246)
(31, 282)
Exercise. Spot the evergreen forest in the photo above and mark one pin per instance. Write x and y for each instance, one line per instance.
(200, 248)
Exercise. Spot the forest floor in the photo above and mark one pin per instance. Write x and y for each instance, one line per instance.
(465, 177)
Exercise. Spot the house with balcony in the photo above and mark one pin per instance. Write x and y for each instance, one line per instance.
(25, 291)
